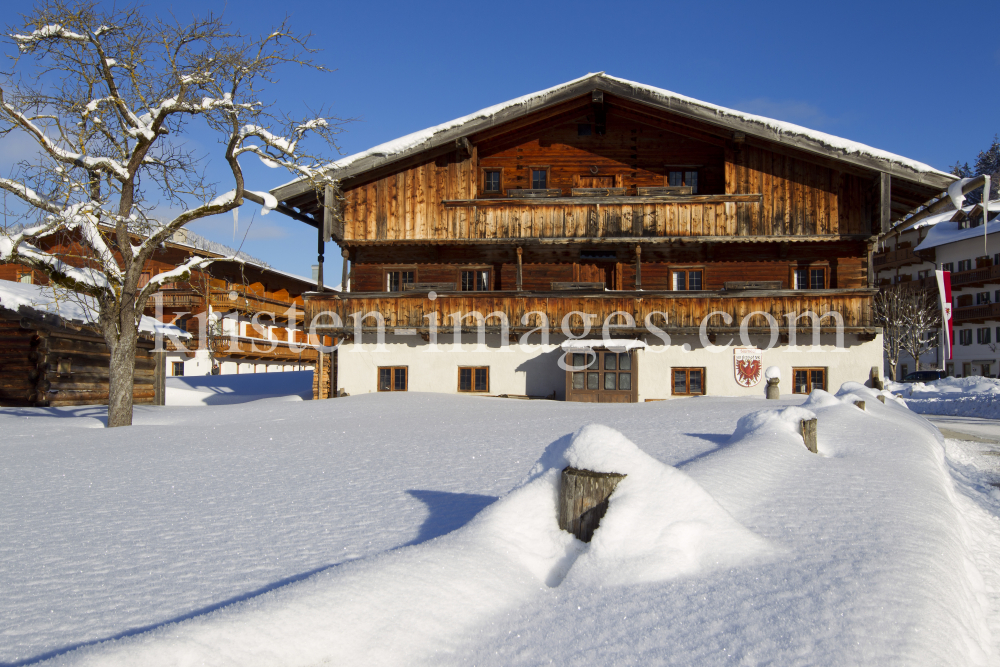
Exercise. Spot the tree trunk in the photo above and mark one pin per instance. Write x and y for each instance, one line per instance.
(121, 373)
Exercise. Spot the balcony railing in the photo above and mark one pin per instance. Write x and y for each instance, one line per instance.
(674, 312)
(894, 259)
(981, 313)
(975, 277)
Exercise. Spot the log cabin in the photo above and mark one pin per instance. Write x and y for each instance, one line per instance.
(489, 253)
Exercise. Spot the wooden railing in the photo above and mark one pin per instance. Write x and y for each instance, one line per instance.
(975, 277)
(679, 312)
(894, 259)
(981, 313)
(251, 348)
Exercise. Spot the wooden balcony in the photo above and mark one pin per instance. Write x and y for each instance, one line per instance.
(894, 259)
(243, 347)
(975, 277)
(973, 314)
(417, 313)
(246, 302)
(176, 299)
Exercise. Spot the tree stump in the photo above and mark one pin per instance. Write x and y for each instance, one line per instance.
(809, 434)
(583, 500)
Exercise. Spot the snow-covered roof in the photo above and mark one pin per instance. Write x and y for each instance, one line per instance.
(945, 231)
(768, 128)
(77, 308)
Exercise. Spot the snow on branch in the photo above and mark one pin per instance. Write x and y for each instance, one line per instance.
(54, 31)
(89, 281)
(179, 274)
(28, 195)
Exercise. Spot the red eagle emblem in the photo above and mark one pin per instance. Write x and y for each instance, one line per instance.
(748, 371)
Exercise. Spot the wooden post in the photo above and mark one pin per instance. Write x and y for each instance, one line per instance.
(860, 404)
(881, 398)
(583, 500)
(638, 267)
(885, 199)
(518, 285)
(809, 434)
(321, 248)
(345, 254)
(876, 382)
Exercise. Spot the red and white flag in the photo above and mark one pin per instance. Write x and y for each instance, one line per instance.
(944, 290)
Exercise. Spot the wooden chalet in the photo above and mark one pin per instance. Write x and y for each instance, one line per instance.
(658, 214)
(236, 290)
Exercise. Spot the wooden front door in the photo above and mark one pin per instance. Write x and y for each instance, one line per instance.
(605, 377)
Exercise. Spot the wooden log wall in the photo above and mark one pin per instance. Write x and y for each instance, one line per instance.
(58, 367)
(418, 311)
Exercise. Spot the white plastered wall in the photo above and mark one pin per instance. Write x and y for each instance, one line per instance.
(533, 369)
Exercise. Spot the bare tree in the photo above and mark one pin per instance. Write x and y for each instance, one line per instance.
(910, 321)
(108, 96)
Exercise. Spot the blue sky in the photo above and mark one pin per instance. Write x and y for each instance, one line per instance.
(914, 78)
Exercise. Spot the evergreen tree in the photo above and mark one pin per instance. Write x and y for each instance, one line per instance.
(988, 163)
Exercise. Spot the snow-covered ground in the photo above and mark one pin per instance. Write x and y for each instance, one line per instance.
(974, 396)
(420, 529)
(229, 389)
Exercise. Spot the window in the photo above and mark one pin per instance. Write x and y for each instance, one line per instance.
(951, 367)
(926, 273)
(688, 381)
(903, 371)
(392, 378)
(996, 296)
(982, 298)
(998, 334)
(983, 335)
(24, 278)
(474, 379)
(807, 379)
(810, 278)
(144, 279)
(178, 368)
(475, 280)
(491, 180)
(607, 371)
(395, 280)
(676, 178)
(965, 337)
(590, 378)
(948, 266)
(687, 279)
(965, 265)
(583, 129)
(617, 371)
(539, 178)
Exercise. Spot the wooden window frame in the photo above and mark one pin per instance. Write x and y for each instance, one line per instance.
(686, 270)
(810, 370)
(174, 366)
(473, 389)
(482, 181)
(392, 383)
(687, 382)
(594, 395)
(481, 267)
(682, 168)
(979, 335)
(531, 176)
(391, 268)
(22, 274)
(823, 264)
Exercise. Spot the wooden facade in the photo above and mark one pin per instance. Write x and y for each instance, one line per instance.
(46, 362)
(612, 199)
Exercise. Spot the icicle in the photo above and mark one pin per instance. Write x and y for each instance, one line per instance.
(236, 222)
